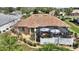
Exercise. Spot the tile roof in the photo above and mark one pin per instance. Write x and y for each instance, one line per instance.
(41, 20)
(75, 11)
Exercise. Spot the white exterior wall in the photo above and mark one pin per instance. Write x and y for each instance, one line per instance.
(66, 41)
(8, 25)
(56, 40)
(48, 40)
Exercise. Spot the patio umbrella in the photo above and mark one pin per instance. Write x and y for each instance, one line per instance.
(55, 31)
(63, 30)
(44, 29)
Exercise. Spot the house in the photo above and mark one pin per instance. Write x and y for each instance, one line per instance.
(75, 12)
(8, 21)
(46, 29)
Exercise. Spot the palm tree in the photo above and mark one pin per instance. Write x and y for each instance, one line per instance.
(9, 43)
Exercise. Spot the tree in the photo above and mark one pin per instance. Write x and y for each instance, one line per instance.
(9, 43)
(52, 47)
(68, 10)
(8, 9)
(18, 8)
(36, 11)
(45, 10)
(57, 11)
(26, 10)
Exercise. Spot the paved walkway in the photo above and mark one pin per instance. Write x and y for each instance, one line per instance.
(27, 37)
(21, 42)
(13, 34)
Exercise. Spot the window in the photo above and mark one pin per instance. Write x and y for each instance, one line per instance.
(3, 30)
(7, 28)
(21, 29)
(10, 26)
(32, 29)
(0, 31)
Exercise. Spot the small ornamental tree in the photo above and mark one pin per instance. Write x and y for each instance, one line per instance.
(9, 43)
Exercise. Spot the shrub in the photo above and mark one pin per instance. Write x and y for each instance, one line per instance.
(52, 47)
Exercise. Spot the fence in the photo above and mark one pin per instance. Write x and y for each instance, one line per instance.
(57, 40)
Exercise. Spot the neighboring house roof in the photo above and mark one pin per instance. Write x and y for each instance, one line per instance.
(52, 12)
(4, 19)
(75, 11)
(41, 20)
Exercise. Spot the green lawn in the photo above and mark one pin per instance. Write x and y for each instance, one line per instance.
(73, 27)
(71, 16)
